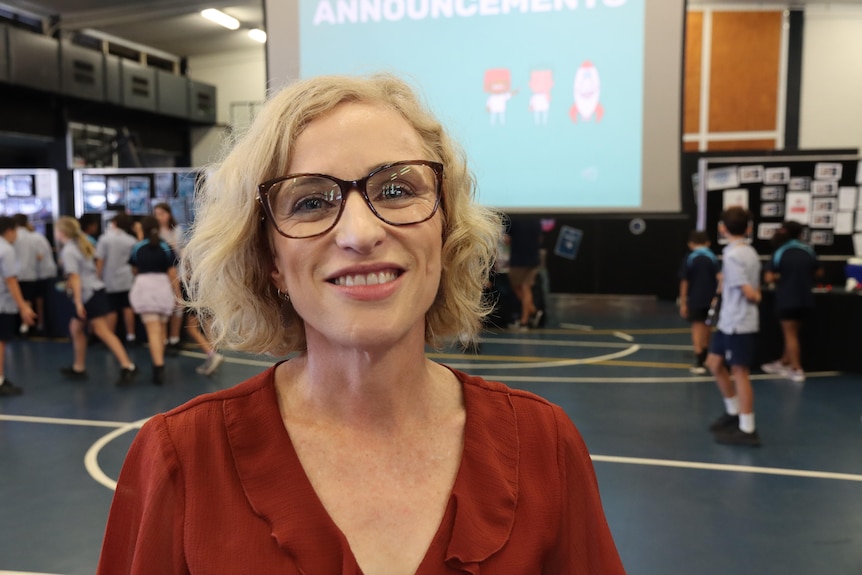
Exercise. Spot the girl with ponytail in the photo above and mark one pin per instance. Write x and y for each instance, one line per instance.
(87, 291)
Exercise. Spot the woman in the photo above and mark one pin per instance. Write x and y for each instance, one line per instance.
(155, 291)
(172, 233)
(87, 291)
(358, 455)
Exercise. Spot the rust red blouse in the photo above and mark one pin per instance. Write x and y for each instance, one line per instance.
(215, 486)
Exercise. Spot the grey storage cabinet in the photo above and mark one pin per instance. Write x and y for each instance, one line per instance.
(34, 60)
(139, 86)
(202, 102)
(83, 72)
(172, 95)
(113, 80)
(4, 53)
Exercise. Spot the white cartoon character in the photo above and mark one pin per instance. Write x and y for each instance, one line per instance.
(587, 90)
(541, 82)
(498, 83)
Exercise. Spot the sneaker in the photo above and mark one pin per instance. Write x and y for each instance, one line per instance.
(774, 367)
(172, 349)
(738, 437)
(127, 375)
(795, 375)
(72, 373)
(698, 368)
(211, 364)
(8, 389)
(158, 374)
(726, 421)
(536, 320)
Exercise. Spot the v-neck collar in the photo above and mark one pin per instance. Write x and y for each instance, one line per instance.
(484, 495)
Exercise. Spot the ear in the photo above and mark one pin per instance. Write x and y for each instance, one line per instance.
(277, 277)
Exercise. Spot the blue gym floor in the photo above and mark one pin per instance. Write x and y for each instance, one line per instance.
(676, 501)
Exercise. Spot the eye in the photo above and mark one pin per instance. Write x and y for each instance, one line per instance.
(392, 191)
(305, 197)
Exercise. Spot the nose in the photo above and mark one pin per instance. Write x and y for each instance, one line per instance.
(358, 228)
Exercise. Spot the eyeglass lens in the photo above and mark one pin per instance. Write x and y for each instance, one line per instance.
(307, 205)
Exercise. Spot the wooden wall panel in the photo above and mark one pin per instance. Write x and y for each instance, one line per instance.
(690, 146)
(692, 72)
(744, 71)
(741, 145)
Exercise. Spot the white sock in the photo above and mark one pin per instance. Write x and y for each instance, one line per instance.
(746, 422)
(731, 405)
(173, 340)
(2, 379)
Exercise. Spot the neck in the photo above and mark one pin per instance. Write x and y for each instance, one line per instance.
(383, 388)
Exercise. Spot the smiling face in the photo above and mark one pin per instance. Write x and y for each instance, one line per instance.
(364, 283)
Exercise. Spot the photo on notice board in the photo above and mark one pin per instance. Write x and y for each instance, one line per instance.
(777, 175)
(138, 195)
(828, 171)
(750, 174)
(771, 193)
(116, 193)
(821, 238)
(799, 184)
(94, 188)
(164, 184)
(19, 186)
(822, 219)
(824, 188)
(771, 210)
(765, 231)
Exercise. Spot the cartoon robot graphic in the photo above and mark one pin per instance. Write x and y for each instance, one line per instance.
(541, 82)
(586, 91)
(498, 84)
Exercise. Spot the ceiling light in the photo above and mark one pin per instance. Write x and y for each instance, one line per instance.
(257, 35)
(221, 18)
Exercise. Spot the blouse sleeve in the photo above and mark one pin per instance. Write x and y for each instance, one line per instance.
(145, 525)
(585, 544)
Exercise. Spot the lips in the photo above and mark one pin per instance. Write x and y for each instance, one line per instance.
(366, 279)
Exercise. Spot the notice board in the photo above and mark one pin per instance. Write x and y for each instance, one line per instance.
(823, 193)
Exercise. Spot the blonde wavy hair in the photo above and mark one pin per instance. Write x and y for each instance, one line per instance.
(69, 227)
(227, 262)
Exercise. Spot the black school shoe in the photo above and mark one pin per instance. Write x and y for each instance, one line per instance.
(724, 423)
(8, 389)
(72, 373)
(127, 375)
(738, 437)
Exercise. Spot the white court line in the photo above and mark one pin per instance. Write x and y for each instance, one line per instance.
(91, 458)
(688, 379)
(61, 421)
(559, 363)
(623, 336)
(565, 343)
(726, 467)
(91, 462)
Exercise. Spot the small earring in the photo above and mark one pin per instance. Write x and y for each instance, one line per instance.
(283, 296)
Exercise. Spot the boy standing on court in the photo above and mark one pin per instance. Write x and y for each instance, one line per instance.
(698, 282)
(733, 343)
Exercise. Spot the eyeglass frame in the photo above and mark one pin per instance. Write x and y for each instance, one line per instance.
(347, 186)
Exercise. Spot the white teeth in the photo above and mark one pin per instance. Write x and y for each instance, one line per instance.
(366, 279)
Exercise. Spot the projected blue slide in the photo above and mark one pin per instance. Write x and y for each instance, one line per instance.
(545, 95)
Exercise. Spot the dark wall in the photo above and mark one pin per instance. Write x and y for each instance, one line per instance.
(612, 259)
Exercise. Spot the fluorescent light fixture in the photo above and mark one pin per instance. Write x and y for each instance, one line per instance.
(220, 18)
(257, 35)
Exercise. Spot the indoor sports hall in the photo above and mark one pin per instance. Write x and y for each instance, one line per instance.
(676, 501)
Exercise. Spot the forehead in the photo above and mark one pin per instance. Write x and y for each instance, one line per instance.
(353, 138)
